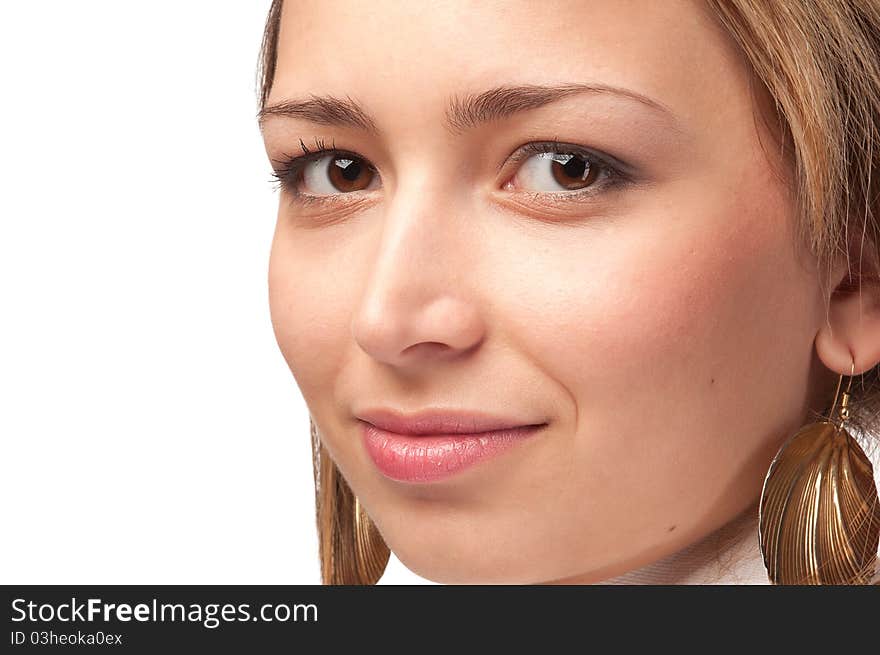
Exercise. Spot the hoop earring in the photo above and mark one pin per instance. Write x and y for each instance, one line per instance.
(819, 514)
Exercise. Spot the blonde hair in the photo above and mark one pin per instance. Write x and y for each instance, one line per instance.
(819, 61)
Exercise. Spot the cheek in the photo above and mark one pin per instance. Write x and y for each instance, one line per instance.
(662, 329)
(307, 289)
(635, 305)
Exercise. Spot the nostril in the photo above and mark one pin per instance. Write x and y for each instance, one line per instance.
(427, 347)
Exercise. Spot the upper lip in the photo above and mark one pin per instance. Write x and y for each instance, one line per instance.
(440, 421)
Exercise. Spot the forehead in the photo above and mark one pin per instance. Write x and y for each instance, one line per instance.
(404, 60)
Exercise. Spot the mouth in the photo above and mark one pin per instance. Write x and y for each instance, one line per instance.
(439, 421)
(435, 445)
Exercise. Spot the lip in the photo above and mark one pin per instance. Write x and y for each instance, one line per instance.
(437, 445)
(440, 421)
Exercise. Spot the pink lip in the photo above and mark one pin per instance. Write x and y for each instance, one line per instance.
(440, 421)
(429, 457)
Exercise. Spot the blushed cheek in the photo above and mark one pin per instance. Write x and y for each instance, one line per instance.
(663, 307)
(676, 307)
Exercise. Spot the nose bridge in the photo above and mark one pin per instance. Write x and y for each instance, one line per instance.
(419, 232)
(416, 238)
(413, 259)
(417, 289)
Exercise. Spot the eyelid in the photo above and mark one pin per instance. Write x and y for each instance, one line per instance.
(290, 164)
(525, 151)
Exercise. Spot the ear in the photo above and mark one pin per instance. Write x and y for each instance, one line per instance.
(851, 332)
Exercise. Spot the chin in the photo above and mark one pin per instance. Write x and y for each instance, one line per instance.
(477, 563)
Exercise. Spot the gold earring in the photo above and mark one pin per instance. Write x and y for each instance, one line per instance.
(819, 515)
(371, 552)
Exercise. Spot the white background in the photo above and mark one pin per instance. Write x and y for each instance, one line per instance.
(151, 432)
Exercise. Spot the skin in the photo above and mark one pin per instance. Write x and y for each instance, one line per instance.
(673, 333)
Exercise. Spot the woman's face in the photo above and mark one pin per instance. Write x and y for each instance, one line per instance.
(660, 320)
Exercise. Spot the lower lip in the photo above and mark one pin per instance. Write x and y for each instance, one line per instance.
(425, 458)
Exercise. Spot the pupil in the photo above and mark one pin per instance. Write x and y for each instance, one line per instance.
(575, 167)
(351, 171)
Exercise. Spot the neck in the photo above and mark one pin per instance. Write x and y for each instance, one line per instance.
(729, 555)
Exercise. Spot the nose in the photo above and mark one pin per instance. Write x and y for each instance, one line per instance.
(420, 300)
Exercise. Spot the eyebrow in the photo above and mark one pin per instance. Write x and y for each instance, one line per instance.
(462, 113)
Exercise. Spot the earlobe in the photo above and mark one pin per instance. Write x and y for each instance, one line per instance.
(851, 332)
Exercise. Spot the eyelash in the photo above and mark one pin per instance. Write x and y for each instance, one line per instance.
(288, 169)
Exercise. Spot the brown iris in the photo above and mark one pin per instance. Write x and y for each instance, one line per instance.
(349, 173)
(571, 171)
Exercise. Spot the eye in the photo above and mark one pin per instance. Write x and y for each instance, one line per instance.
(337, 173)
(550, 168)
(324, 174)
